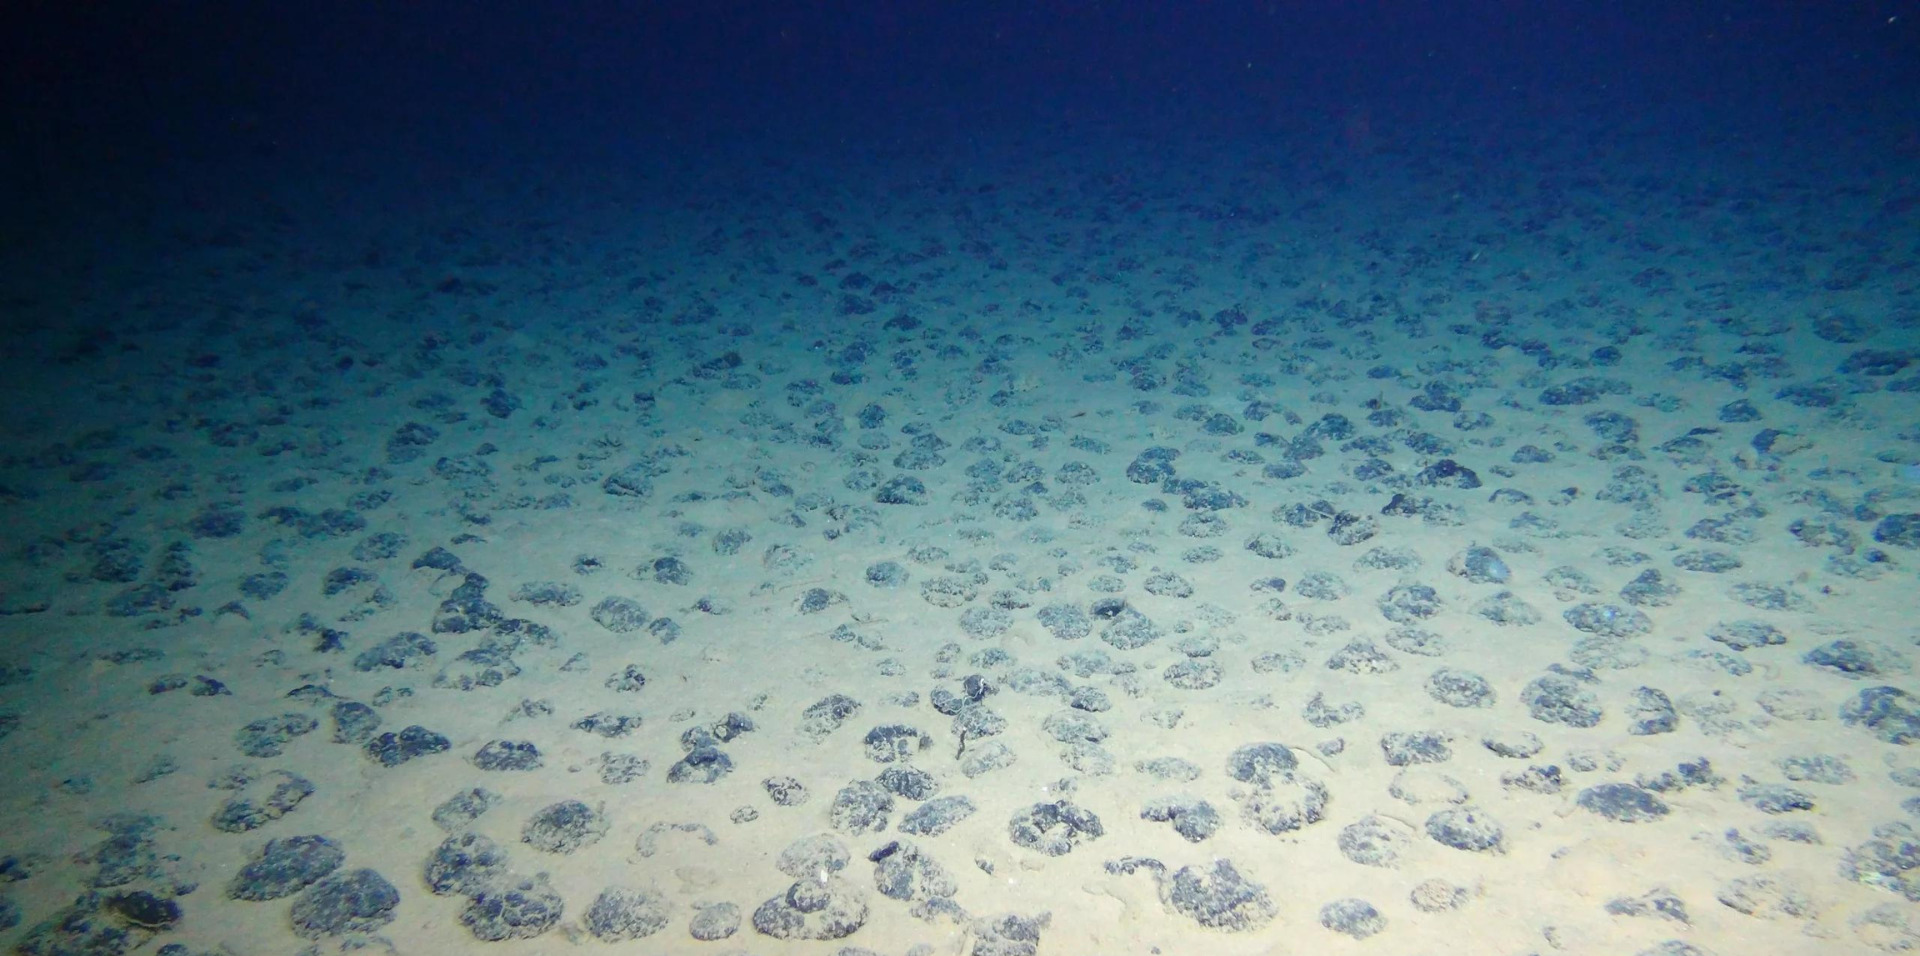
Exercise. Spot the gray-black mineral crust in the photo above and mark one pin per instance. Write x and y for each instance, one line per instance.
(1195, 820)
(1467, 828)
(464, 863)
(813, 909)
(564, 827)
(813, 856)
(1374, 841)
(520, 910)
(1286, 802)
(1890, 861)
(1352, 917)
(1218, 897)
(360, 901)
(1557, 699)
(1054, 828)
(1622, 802)
(1258, 763)
(1892, 714)
(862, 806)
(619, 914)
(1457, 688)
(284, 867)
(937, 816)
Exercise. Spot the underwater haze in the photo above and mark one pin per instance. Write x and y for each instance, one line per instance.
(988, 479)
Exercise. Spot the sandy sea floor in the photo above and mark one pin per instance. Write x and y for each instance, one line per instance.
(1025, 553)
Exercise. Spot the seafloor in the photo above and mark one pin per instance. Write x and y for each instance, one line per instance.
(1067, 547)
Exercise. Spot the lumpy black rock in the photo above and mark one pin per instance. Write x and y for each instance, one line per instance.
(268, 736)
(1373, 841)
(465, 864)
(507, 755)
(268, 799)
(1352, 917)
(1622, 803)
(701, 765)
(1557, 699)
(1195, 820)
(1466, 828)
(861, 807)
(813, 909)
(1900, 530)
(1258, 763)
(1892, 714)
(564, 827)
(937, 816)
(284, 867)
(1406, 748)
(521, 910)
(1457, 688)
(1054, 828)
(360, 901)
(394, 749)
(620, 914)
(1218, 897)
